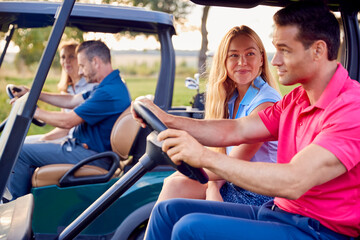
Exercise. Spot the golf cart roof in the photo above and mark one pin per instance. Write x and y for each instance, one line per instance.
(334, 5)
(86, 17)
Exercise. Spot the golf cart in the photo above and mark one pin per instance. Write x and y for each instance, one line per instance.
(54, 204)
(350, 59)
(350, 52)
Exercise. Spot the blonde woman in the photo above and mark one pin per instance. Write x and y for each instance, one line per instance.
(70, 83)
(240, 84)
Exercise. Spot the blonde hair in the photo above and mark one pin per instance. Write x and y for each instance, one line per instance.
(65, 79)
(220, 88)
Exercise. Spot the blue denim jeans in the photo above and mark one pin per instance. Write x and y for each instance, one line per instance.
(200, 219)
(37, 154)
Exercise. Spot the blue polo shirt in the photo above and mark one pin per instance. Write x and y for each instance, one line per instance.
(255, 95)
(101, 108)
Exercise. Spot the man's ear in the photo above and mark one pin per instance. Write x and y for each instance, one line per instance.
(319, 49)
(95, 62)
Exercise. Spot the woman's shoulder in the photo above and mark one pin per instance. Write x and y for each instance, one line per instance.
(265, 94)
(266, 91)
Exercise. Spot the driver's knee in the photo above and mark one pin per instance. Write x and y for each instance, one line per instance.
(189, 227)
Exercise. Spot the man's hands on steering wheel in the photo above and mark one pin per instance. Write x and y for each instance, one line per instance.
(17, 91)
(148, 104)
(181, 146)
(176, 144)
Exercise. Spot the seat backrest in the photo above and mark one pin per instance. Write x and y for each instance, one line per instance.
(123, 134)
(122, 137)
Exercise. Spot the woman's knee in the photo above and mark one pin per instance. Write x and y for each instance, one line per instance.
(175, 181)
(180, 186)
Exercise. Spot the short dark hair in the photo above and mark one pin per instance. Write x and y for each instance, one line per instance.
(95, 48)
(314, 21)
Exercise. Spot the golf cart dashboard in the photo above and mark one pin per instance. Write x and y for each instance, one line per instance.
(187, 112)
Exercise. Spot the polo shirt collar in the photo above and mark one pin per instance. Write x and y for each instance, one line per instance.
(250, 93)
(334, 87)
(109, 77)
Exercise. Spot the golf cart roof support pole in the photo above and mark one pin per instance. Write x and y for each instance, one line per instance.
(164, 98)
(351, 27)
(62, 17)
(7, 39)
(106, 199)
(22, 122)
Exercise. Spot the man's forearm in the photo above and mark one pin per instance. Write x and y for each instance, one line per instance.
(213, 133)
(270, 179)
(64, 120)
(56, 133)
(60, 100)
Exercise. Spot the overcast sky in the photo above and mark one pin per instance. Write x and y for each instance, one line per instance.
(220, 20)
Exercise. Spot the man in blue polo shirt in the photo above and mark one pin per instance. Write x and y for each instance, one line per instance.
(93, 116)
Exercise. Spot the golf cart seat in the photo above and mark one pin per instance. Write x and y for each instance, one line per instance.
(122, 137)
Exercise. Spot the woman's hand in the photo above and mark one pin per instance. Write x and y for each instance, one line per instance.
(213, 190)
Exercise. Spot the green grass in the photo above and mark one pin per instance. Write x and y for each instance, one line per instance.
(141, 86)
(138, 86)
(286, 89)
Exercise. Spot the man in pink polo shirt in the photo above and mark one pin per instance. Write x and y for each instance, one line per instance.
(316, 182)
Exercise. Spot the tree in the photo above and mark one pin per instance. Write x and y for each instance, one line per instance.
(33, 41)
(177, 8)
(204, 41)
(180, 9)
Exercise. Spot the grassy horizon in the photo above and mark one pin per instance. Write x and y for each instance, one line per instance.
(137, 85)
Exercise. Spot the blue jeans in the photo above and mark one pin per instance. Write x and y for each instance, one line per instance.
(199, 219)
(37, 154)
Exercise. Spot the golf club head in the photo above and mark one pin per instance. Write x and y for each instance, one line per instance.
(191, 83)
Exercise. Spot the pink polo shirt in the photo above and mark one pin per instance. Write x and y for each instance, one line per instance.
(333, 123)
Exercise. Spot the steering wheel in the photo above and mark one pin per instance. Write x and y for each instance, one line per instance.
(155, 124)
(9, 89)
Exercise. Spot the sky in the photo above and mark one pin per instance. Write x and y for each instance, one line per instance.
(220, 20)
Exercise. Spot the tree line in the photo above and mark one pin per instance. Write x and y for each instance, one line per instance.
(32, 42)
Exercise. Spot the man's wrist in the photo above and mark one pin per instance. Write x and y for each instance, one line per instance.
(167, 119)
(205, 157)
